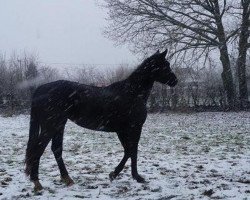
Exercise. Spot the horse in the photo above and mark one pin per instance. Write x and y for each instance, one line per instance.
(119, 107)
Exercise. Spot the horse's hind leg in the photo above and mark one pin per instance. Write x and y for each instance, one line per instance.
(43, 141)
(123, 137)
(57, 148)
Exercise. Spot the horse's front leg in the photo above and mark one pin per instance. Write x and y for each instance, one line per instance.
(129, 140)
(133, 142)
(123, 137)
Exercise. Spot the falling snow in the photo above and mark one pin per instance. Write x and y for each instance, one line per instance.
(182, 156)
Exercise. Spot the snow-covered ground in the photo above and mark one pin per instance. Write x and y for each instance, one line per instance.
(182, 156)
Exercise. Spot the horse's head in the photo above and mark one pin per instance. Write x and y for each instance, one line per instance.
(160, 69)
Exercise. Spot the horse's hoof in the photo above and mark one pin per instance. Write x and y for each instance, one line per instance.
(139, 179)
(112, 176)
(68, 181)
(38, 187)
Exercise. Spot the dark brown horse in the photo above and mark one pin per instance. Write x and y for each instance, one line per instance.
(119, 107)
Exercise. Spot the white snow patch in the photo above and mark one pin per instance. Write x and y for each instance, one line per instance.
(182, 156)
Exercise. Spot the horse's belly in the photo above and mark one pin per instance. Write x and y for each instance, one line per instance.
(100, 121)
(97, 124)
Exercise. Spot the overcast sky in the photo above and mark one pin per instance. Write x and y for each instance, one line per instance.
(59, 31)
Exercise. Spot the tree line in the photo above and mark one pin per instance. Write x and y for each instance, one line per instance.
(199, 88)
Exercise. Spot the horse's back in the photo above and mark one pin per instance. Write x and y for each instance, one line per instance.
(70, 99)
(50, 91)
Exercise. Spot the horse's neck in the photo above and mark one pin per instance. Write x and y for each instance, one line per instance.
(139, 85)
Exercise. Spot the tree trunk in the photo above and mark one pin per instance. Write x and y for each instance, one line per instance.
(241, 60)
(174, 98)
(226, 75)
(227, 78)
(241, 67)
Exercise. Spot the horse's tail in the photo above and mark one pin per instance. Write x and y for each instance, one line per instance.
(32, 142)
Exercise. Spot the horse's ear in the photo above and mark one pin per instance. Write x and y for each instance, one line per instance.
(164, 53)
(157, 52)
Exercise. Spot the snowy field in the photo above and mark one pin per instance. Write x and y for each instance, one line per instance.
(182, 156)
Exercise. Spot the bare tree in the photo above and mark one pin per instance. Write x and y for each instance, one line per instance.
(47, 74)
(119, 73)
(244, 45)
(196, 26)
(31, 73)
(19, 76)
(3, 73)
